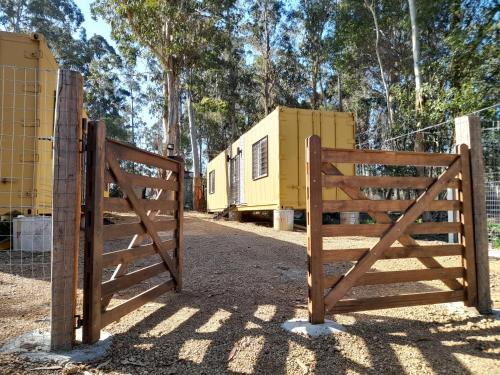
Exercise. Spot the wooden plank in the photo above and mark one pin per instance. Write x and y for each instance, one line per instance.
(400, 182)
(400, 252)
(94, 233)
(132, 254)
(151, 182)
(377, 230)
(148, 225)
(404, 300)
(314, 220)
(382, 217)
(468, 131)
(390, 236)
(124, 151)
(179, 233)
(123, 205)
(137, 239)
(66, 198)
(387, 157)
(132, 278)
(364, 205)
(135, 302)
(467, 237)
(406, 276)
(116, 231)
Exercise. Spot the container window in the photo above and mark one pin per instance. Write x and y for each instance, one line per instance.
(259, 159)
(211, 182)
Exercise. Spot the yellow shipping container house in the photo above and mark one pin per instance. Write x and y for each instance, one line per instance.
(28, 79)
(265, 168)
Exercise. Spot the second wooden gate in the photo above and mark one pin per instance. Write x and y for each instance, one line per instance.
(154, 227)
(327, 293)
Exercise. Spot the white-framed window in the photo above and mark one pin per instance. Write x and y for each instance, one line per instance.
(211, 182)
(259, 159)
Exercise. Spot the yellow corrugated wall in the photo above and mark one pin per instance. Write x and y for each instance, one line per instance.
(284, 187)
(217, 200)
(28, 78)
(262, 193)
(336, 129)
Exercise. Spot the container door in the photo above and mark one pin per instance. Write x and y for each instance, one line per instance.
(234, 181)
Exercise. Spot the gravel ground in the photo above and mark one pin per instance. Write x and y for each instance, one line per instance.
(242, 281)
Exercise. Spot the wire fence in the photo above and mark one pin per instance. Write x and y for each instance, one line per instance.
(27, 101)
(440, 137)
(490, 137)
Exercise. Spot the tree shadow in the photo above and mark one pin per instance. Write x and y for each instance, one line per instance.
(239, 287)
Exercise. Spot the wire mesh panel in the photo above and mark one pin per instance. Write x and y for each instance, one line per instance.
(27, 99)
(490, 137)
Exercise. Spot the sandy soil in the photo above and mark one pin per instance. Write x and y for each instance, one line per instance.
(242, 281)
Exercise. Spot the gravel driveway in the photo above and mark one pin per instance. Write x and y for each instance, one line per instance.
(242, 281)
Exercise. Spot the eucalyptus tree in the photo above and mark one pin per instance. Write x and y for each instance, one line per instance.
(263, 35)
(178, 33)
(58, 20)
(315, 17)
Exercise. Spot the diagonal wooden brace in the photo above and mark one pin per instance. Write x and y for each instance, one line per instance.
(121, 269)
(115, 169)
(397, 229)
(383, 218)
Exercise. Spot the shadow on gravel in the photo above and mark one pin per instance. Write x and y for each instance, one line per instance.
(239, 288)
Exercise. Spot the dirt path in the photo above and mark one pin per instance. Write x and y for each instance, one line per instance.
(241, 282)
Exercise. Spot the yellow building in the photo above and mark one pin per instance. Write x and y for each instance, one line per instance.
(265, 168)
(28, 79)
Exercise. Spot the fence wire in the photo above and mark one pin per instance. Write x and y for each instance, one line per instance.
(490, 137)
(27, 101)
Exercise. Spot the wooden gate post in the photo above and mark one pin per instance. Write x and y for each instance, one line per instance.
(314, 212)
(94, 206)
(468, 131)
(66, 203)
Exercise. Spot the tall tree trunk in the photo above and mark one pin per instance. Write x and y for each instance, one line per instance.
(172, 123)
(193, 134)
(267, 57)
(416, 68)
(415, 44)
(390, 115)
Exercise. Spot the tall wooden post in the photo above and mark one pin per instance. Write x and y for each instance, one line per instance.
(179, 233)
(94, 206)
(314, 222)
(468, 131)
(66, 203)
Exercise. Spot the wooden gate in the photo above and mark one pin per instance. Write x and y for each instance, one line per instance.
(327, 293)
(123, 167)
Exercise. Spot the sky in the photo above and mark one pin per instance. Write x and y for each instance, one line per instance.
(94, 27)
(100, 27)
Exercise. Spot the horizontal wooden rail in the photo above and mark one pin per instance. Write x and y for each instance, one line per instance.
(132, 278)
(128, 152)
(123, 205)
(401, 182)
(152, 182)
(365, 205)
(404, 300)
(127, 256)
(406, 276)
(386, 157)
(377, 230)
(146, 181)
(116, 231)
(135, 302)
(401, 252)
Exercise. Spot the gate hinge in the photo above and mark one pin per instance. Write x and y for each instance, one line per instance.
(78, 322)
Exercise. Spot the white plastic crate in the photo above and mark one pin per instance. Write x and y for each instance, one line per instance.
(32, 233)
